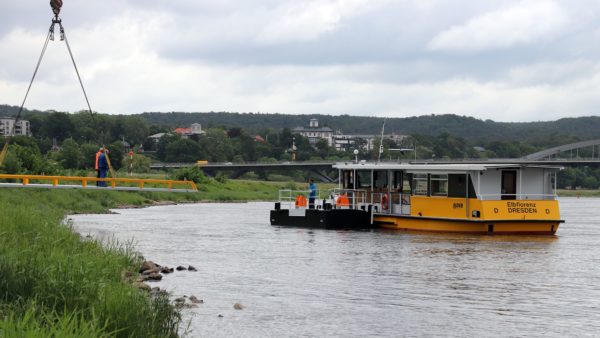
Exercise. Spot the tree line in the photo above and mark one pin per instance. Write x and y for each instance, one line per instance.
(68, 141)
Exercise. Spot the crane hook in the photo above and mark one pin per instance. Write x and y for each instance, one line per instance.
(56, 5)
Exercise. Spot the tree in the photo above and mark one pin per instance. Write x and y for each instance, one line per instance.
(57, 125)
(115, 154)
(30, 157)
(285, 138)
(322, 148)
(216, 145)
(133, 128)
(85, 127)
(163, 143)
(69, 156)
(234, 132)
(183, 150)
(137, 163)
(248, 148)
(88, 153)
(12, 164)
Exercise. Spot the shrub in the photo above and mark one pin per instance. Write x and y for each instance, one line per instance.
(191, 174)
(221, 178)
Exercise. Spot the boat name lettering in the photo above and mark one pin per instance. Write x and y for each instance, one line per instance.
(521, 204)
(457, 206)
(521, 207)
(522, 210)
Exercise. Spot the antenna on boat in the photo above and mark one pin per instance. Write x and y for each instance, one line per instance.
(381, 142)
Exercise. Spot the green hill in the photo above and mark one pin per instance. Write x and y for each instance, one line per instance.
(547, 133)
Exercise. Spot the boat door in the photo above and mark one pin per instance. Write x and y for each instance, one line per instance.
(509, 185)
(405, 193)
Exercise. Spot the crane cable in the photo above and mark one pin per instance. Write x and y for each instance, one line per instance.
(56, 7)
(37, 67)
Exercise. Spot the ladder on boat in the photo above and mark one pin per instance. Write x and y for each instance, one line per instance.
(79, 182)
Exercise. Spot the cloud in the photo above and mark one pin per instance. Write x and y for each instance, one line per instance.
(553, 73)
(523, 23)
(303, 21)
(500, 59)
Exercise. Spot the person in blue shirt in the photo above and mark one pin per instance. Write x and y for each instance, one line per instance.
(312, 193)
(102, 167)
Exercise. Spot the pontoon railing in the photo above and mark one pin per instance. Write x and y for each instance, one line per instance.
(355, 198)
(287, 197)
(336, 198)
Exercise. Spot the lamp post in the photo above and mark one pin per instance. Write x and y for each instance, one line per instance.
(356, 155)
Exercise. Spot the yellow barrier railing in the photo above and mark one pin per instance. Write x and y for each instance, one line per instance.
(113, 182)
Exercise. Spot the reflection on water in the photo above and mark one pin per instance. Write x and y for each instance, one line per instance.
(313, 282)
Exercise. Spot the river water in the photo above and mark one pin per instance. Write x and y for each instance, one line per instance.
(297, 282)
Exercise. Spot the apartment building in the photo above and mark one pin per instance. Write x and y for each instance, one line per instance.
(8, 126)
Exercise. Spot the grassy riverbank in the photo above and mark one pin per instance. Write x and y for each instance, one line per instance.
(578, 193)
(53, 283)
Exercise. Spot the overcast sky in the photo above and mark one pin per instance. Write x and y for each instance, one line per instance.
(500, 60)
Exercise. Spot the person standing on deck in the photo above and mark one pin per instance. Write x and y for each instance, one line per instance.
(102, 167)
(312, 193)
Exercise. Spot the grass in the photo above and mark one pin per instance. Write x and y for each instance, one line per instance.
(55, 284)
(578, 193)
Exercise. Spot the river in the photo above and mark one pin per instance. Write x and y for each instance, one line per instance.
(295, 282)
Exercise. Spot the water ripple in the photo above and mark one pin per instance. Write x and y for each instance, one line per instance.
(310, 282)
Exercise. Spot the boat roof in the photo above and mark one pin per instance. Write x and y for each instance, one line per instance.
(431, 167)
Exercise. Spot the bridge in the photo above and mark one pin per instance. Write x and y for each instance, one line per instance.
(318, 170)
(555, 151)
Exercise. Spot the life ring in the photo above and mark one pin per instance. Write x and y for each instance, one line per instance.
(384, 202)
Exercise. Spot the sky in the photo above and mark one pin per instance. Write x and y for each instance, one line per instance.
(502, 60)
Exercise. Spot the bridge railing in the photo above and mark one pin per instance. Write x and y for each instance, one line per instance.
(47, 181)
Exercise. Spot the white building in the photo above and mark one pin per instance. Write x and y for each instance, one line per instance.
(343, 142)
(314, 133)
(8, 126)
(340, 141)
(194, 129)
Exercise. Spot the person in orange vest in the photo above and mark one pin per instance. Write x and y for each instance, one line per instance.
(96, 164)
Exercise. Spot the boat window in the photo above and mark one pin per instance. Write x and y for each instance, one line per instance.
(363, 179)
(420, 184)
(380, 179)
(439, 185)
(348, 182)
(457, 186)
(509, 184)
(397, 182)
(406, 184)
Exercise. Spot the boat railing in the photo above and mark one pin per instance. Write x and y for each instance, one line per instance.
(391, 202)
(290, 199)
(522, 196)
(379, 202)
(348, 198)
(334, 198)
